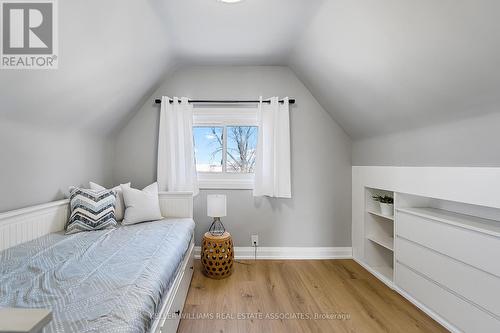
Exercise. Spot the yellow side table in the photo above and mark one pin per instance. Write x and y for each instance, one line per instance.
(217, 255)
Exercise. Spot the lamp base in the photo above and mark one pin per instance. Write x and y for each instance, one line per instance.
(216, 228)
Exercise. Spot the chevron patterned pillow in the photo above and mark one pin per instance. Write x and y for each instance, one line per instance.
(91, 210)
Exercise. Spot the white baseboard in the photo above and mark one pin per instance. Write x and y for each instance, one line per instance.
(291, 253)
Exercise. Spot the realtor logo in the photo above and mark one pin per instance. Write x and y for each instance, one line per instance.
(29, 34)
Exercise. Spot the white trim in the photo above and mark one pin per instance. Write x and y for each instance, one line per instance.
(224, 150)
(31, 209)
(288, 253)
(219, 181)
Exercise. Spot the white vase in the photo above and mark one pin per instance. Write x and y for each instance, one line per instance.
(386, 209)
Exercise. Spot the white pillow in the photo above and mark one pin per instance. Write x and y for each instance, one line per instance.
(120, 205)
(141, 206)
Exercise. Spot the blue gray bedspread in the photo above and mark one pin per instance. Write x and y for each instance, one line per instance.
(97, 281)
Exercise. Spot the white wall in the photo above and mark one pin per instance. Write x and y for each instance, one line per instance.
(319, 213)
(38, 164)
(470, 142)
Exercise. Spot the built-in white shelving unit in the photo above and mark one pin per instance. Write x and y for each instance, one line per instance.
(440, 250)
(379, 237)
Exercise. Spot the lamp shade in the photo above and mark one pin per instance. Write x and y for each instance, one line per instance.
(216, 205)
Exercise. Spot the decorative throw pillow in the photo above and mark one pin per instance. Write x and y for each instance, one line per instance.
(91, 210)
(120, 205)
(141, 206)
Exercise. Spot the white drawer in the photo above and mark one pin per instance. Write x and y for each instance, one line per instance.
(460, 313)
(472, 247)
(181, 288)
(475, 285)
(180, 297)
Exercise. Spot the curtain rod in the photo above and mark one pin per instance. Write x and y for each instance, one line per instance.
(290, 101)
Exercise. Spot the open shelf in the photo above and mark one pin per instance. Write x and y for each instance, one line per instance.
(382, 240)
(380, 215)
(385, 271)
(378, 237)
(382, 272)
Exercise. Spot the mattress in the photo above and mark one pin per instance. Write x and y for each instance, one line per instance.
(98, 281)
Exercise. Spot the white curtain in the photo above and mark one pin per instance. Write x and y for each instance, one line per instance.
(176, 166)
(272, 163)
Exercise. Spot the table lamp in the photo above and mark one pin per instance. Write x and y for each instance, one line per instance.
(216, 208)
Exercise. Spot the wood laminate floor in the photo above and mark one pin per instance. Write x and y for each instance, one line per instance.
(285, 296)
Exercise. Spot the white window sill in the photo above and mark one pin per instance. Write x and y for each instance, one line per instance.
(226, 181)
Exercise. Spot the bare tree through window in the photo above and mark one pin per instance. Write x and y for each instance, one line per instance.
(241, 144)
(240, 147)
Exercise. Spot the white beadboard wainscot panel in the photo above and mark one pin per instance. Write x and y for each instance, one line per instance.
(22, 225)
(176, 204)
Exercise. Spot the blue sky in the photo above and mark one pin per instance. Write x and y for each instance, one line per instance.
(206, 143)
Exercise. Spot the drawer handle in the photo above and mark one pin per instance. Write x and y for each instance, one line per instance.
(178, 312)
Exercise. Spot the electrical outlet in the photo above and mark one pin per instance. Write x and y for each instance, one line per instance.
(255, 240)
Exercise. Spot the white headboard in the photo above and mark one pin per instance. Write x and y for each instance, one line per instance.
(176, 204)
(22, 225)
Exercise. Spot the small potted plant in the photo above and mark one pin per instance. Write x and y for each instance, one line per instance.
(386, 204)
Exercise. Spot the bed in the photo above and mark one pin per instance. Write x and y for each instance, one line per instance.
(130, 279)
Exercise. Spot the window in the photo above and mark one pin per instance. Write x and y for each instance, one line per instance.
(208, 148)
(238, 146)
(241, 145)
(225, 142)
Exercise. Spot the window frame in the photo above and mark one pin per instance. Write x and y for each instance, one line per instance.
(225, 117)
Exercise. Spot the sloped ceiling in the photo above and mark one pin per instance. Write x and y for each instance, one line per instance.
(252, 32)
(378, 66)
(112, 54)
(384, 66)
